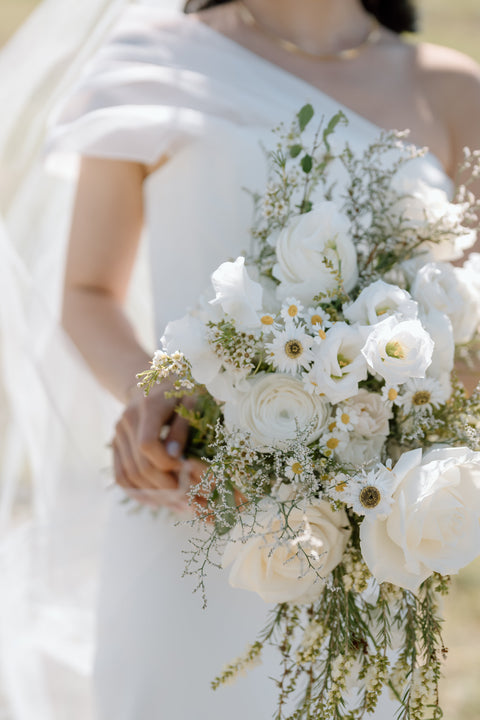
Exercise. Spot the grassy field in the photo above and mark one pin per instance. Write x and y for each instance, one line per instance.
(457, 24)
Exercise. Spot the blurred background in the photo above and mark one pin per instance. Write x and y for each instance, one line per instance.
(456, 24)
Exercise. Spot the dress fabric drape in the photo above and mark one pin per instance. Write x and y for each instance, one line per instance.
(175, 87)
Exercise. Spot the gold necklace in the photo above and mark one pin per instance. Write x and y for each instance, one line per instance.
(372, 38)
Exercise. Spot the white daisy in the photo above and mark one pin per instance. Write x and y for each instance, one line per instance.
(371, 493)
(294, 469)
(338, 487)
(268, 322)
(345, 418)
(318, 321)
(421, 395)
(334, 441)
(291, 309)
(391, 394)
(290, 349)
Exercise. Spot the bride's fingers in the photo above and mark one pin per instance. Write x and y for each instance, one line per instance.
(150, 425)
(135, 470)
(176, 439)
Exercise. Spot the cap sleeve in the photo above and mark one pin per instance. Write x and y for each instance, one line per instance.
(150, 89)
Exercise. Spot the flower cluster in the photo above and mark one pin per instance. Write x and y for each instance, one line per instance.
(344, 478)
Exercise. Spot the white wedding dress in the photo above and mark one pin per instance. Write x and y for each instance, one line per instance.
(176, 87)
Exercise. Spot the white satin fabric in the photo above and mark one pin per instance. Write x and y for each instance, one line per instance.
(157, 87)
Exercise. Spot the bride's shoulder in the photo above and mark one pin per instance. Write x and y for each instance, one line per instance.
(446, 64)
(450, 80)
(450, 75)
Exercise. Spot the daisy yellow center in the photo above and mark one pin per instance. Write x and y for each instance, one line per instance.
(392, 394)
(267, 320)
(332, 443)
(341, 486)
(421, 397)
(394, 349)
(293, 349)
(322, 333)
(316, 320)
(370, 497)
(292, 311)
(332, 426)
(345, 418)
(297, 469)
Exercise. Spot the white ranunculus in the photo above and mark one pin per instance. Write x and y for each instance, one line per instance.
(237, 294)
(278, 571)
(449, 290)
(398, 351)
(423, 205)
(439, 327)
(339, 364)
(305, 246)
(434, 525)
(272, 407)
(370, 412)
(378, 301)
(189, 336)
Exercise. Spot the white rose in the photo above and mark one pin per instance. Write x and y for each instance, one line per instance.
(423, 205)
(271, 407)
(378, 301)
(304, 247)
(434, 525)
(371, 414)
(439, 327)
(237, 294)
(278, 571)
(339, 364)
(447, 289)
(360, 450)
(398, 351)
(472, 266)
(189, 336)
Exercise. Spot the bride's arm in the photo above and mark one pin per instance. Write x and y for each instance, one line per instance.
(451, 83)
(106, 228)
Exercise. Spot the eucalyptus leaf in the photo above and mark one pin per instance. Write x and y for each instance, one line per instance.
(307, 163)
(295, 150)
(304, 116)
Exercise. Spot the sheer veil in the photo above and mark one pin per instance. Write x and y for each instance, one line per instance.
(54, 418)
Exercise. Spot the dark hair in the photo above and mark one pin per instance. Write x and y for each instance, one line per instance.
(397, 15)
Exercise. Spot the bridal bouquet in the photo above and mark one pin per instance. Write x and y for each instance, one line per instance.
(342, 479)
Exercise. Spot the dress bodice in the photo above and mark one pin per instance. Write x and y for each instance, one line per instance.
(178, 88)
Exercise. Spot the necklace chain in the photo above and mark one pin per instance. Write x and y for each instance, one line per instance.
(372, 38)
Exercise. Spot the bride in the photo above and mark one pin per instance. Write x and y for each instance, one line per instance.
(167, 120)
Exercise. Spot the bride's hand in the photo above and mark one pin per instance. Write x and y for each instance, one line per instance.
(145, 465)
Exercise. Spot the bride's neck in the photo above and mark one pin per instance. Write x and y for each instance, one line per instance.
(316, 26)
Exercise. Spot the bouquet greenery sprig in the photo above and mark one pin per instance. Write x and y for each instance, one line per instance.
(342, 479)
